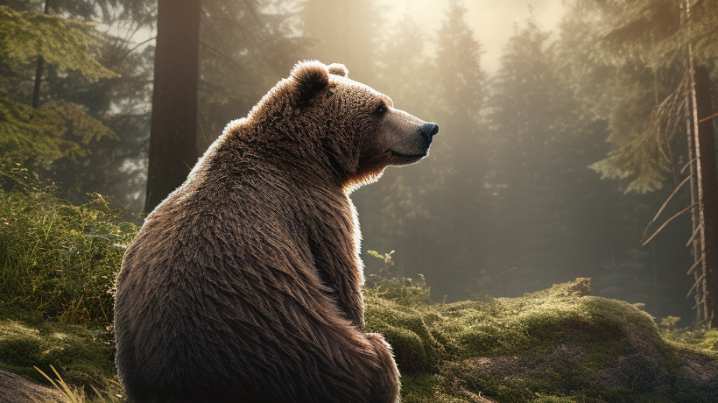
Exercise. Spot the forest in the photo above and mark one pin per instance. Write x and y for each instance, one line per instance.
(559, 244)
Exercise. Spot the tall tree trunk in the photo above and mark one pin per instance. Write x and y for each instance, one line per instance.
(707, 183)
(695, 240)
(173, 149)
(697, 268)
(39, 70)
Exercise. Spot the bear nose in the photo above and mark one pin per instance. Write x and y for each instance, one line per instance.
(428, 130)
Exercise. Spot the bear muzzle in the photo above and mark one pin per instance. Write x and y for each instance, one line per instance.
(416, 146)
(428, 131)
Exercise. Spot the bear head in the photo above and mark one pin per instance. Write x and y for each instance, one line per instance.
(356, 130)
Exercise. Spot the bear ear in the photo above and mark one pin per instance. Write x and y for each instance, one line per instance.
(310, 78)
(338, 69)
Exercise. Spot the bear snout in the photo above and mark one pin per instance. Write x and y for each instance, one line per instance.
(428, 131)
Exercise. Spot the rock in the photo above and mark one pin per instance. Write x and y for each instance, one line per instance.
(16, 389)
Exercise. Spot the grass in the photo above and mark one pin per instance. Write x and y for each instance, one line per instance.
(82, 354)
(57, 259)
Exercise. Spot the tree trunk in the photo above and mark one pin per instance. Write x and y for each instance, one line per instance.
(39, 70)
(707, 186)
(173, 149)
(695, 240)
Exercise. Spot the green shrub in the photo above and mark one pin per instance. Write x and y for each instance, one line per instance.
(59, 259)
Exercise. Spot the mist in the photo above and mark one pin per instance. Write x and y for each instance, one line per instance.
(492, 22)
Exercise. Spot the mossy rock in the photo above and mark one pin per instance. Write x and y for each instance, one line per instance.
(556, 345)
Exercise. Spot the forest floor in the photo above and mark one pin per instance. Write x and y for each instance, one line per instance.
(58, 262)
(555, 345)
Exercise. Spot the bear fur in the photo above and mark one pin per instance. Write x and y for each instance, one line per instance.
(244, 284)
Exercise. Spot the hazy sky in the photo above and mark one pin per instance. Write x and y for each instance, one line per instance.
(493, 21)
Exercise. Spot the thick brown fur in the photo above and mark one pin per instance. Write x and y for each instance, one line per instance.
(244, 284)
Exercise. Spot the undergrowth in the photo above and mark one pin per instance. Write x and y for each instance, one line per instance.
(57, 259)
(58, 263)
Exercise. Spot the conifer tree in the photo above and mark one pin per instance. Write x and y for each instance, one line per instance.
(105, 153)
(38, 136)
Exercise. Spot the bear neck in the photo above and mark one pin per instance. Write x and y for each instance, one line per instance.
(296, 155)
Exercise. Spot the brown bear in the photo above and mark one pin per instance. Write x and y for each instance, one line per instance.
(244, 284)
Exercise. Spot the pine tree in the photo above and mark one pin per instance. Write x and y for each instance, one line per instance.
(107, 157)
(436, 194)
(550, 215)
(38, 136)
(382, 205)
(446, 85)
(460, 84)
(458, 58)
(643, 44)
(641, 62)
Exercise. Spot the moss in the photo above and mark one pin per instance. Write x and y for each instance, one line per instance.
(83, 356)
(20, 351)
(434, 388)
(414, 345)
(558, 344)
(555, 399)
(420, 388)
(702, 338)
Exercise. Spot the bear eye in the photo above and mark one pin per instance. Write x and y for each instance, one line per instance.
(380, 109)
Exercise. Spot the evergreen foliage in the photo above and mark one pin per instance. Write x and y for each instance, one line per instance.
(90, 115)
(38, 137)
(642, 57)
(68, 44)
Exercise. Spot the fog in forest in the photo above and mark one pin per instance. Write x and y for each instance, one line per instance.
(492, 22)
